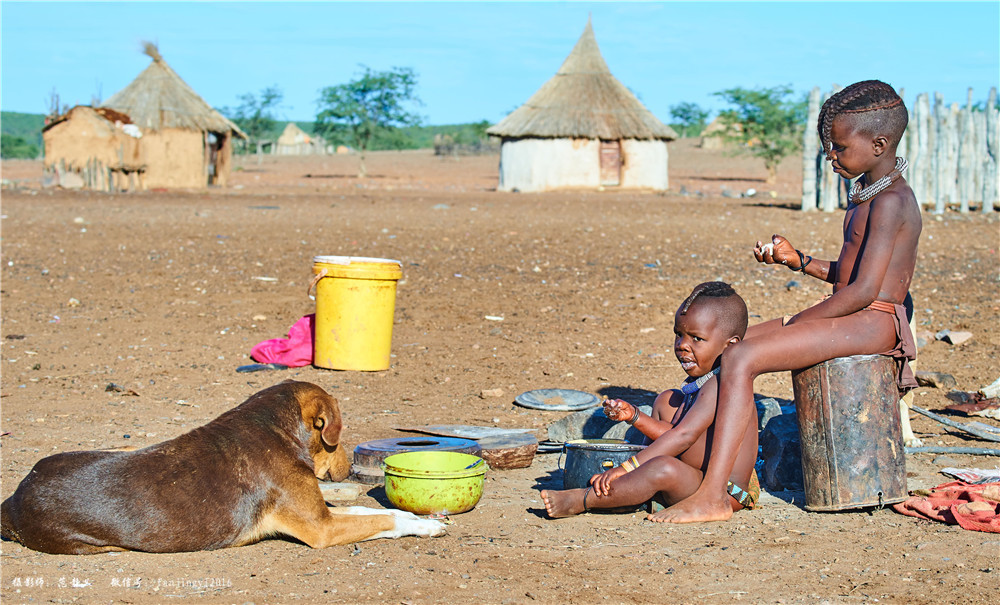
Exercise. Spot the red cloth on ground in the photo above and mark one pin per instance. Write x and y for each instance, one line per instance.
(972, 506)
(294, 351)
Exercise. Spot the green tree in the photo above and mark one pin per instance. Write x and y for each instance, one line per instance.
(372, 104)
(690, 117)
(764, 123)
(255, 115)
(13, 147)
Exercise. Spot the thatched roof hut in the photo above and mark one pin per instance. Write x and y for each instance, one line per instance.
(714, 135)
(582, 128)
(295, 141)
(173, 117)
(154, 133)
(158, 99)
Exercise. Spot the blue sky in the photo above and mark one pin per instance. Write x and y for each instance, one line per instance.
(480, 60)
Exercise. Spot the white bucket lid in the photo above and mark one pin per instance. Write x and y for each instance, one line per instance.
(347, 260)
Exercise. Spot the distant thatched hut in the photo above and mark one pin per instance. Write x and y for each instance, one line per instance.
(713, 136)
(174, 138)
(582, 128)
(295, 141)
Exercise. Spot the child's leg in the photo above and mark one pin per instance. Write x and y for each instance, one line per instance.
(769, 349)
(665, 474)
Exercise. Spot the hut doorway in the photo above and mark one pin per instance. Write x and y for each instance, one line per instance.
(611, 163)
(213, 145)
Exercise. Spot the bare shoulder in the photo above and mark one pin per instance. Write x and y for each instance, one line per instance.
(897, 205)
(708, 394)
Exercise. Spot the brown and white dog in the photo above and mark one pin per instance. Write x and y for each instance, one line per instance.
(249, 474)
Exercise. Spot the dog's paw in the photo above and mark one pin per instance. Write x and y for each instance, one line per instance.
(415, 526)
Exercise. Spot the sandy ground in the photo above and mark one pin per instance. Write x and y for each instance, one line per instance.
(162, 293)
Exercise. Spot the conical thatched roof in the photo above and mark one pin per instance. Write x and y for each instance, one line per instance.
(158, 98)
(583, 100)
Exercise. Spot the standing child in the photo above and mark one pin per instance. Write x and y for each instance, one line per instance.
(712, 318)
(859, 128)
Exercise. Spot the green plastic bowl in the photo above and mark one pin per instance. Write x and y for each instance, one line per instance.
(434, 482)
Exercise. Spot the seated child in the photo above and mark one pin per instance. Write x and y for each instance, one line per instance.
(680, 428)
(860, 128)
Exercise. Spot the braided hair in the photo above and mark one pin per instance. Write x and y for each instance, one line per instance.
(732, 310)
(873, 105)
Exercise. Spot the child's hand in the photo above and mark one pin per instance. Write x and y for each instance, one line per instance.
(618, 410)
(777, 251)
(602, 482)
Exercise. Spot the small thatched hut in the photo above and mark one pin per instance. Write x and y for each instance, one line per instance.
(156, 130)
(295, 141)
(713, 136)
(582, 128)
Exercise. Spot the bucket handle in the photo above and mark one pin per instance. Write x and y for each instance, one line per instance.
(315, 280)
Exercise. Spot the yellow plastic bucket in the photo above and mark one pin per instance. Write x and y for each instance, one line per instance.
(355, 301)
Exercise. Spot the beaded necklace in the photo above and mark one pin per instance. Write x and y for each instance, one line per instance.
(691, 387)
(863, 194)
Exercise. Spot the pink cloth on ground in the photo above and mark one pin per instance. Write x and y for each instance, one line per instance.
(294, 351)
(972, 506)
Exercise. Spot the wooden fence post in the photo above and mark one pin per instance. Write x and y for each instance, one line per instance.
(968, 157)
(920, 166)
(812, 158)
(830, 183)
(991, 184)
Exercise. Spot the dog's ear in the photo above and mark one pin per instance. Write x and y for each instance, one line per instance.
(328, 422)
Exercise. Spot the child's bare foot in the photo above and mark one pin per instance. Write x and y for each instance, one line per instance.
(565, 503)
(696, 508)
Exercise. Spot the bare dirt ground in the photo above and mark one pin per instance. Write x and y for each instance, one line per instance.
(161, 293)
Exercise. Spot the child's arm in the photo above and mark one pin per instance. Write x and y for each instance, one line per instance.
(781, 251)
(673, 442)
(623, 411)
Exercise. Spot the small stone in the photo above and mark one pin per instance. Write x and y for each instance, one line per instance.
(937, 380)
(487, 393)
(946, 461)
(767, 408)
(960, 396)
(957, 338)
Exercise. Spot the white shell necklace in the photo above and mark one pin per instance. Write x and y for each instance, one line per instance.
(863, 194)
